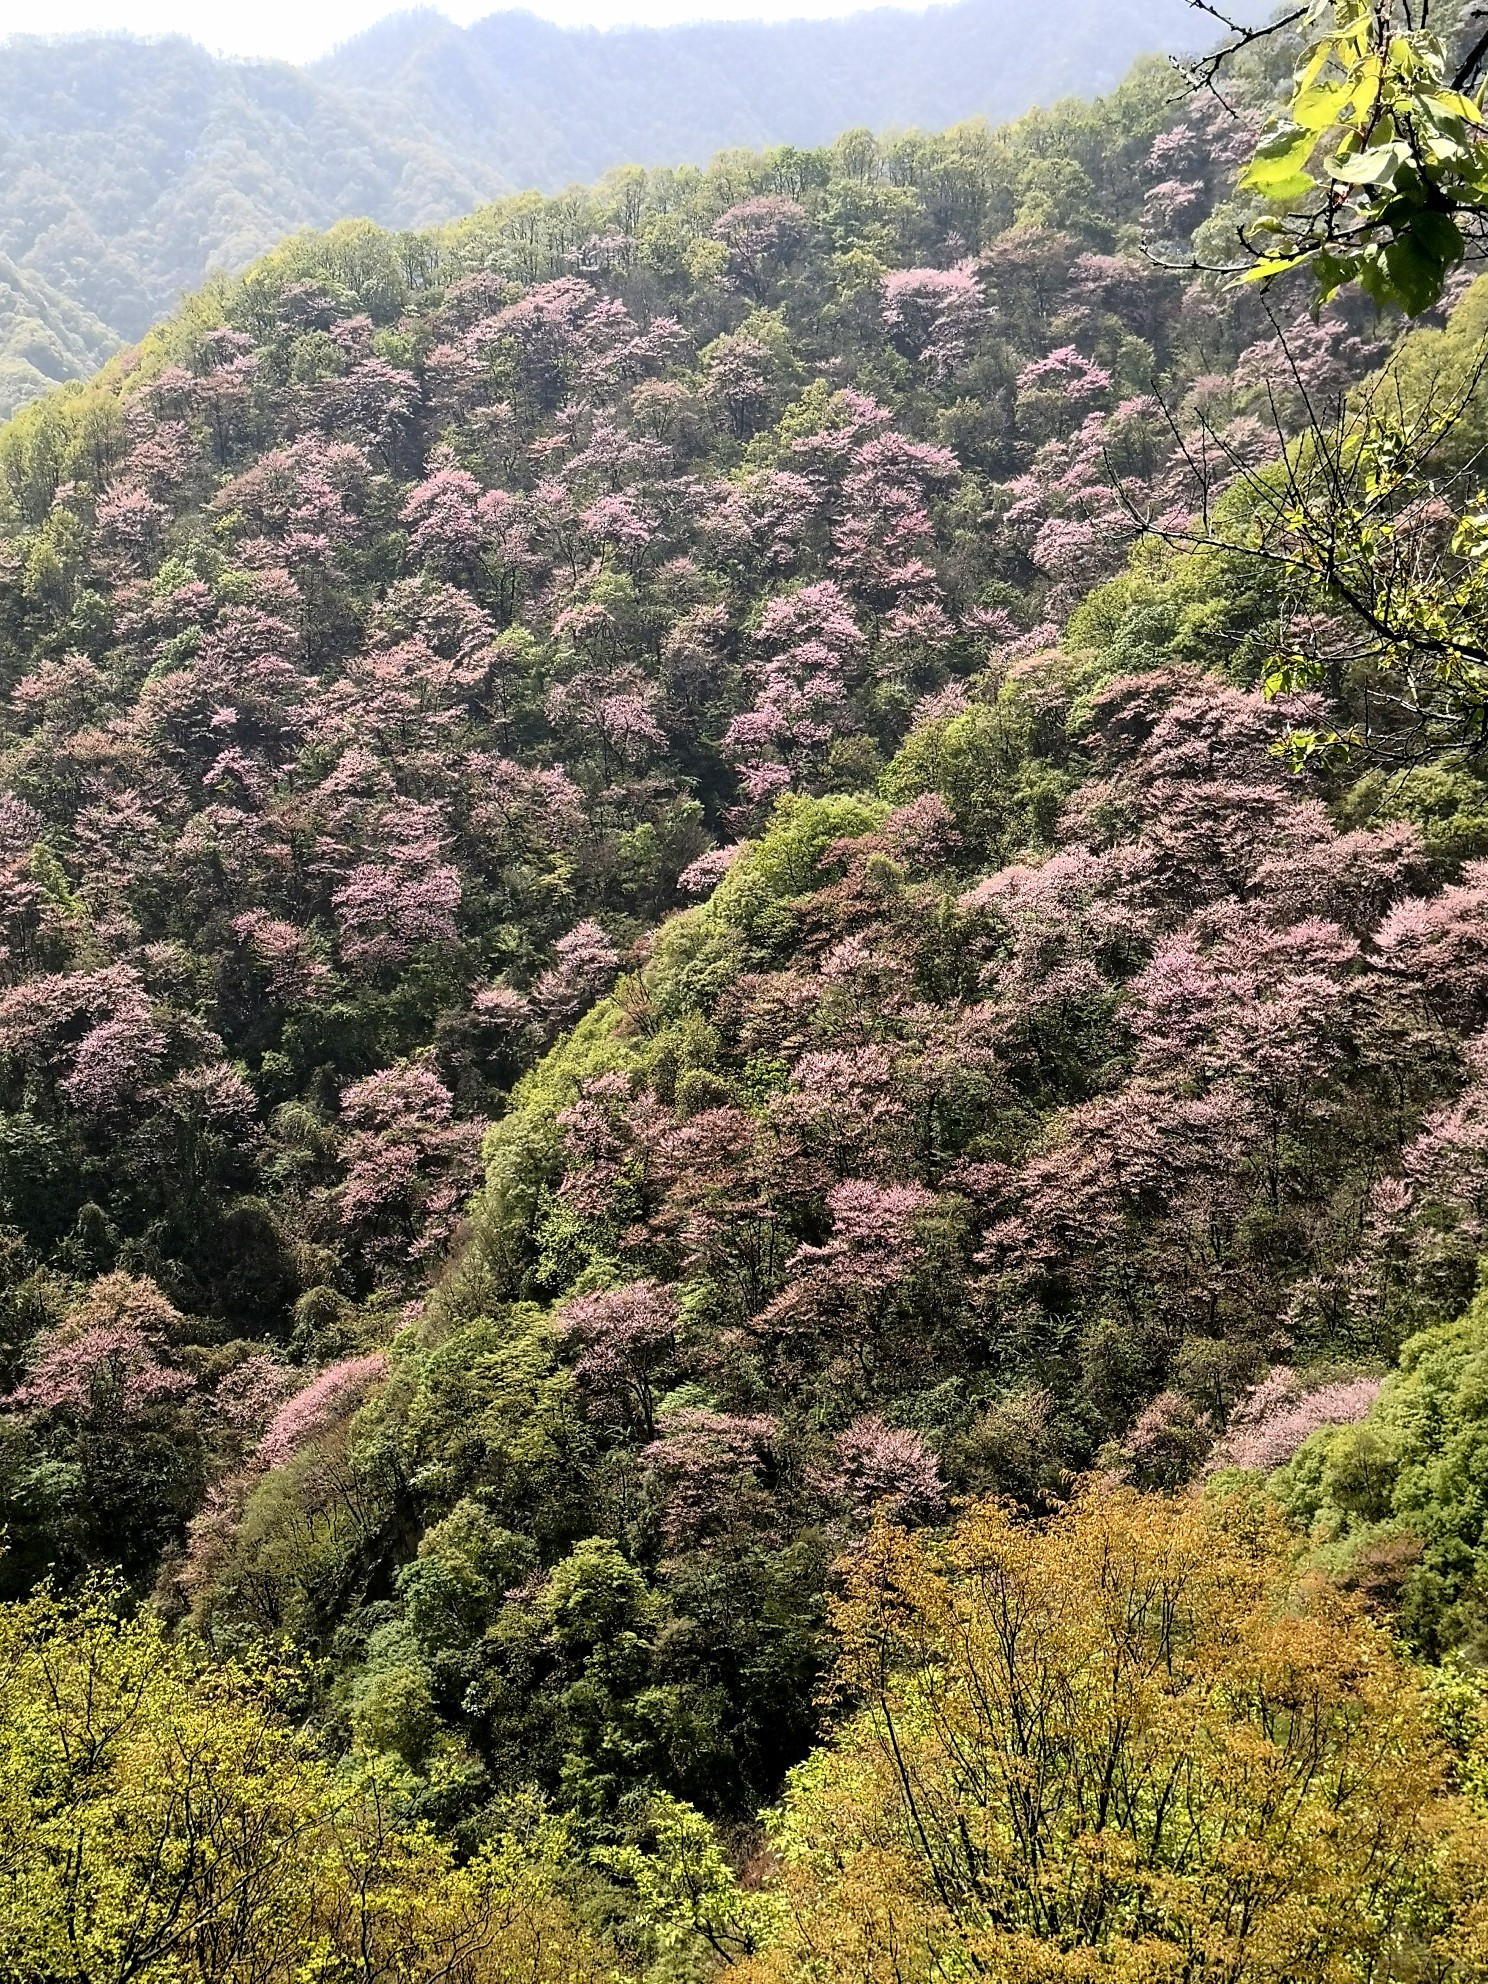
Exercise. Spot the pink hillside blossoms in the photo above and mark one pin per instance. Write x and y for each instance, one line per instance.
(702, 876)
(332, 1396)
(109, 1357)
(586, 964)
(629, 1342)
(1278, 1415)
(74, 1376)
(935, 315)
(884, 1470)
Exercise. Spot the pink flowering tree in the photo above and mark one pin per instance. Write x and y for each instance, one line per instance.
(857, 1307)
(613, 713)
(96, 1035)
(812, 655)
(246, 1398)
(628, 1347)
(388, 910)
(882, 1471)
(1274, 1418)
(761, 235)
(286, 955)
(873, 1247)
(584, 967)
(702, 876)
(1056, 391)
(1189, 165)
(109, 1360)
(131, 523)
(935, 315)
(409, 1169)
(325, 1403)
(711, 1473)
(105, 1396)
(882, 538)
(843, 1112)
(445, 529)
(741, 373)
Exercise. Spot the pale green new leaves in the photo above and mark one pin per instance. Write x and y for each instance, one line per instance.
(686, 1889)
(1371, 163)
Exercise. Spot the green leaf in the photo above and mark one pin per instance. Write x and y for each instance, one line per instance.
(1269, 266)
(1444, 104)
(1316, 110)
(1276, 170)
(1331, 271)
(1413, 274)
(1376, 167)
(1289, 186)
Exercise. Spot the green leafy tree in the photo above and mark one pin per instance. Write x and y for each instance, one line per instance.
(164, 1823)
(1376, 164)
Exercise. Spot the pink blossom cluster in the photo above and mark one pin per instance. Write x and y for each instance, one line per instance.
(329, 1399)
(937, 313)
(885, 1471)
(585, 964)
(1280, 1412)
(710, 1468)
(627, 1341)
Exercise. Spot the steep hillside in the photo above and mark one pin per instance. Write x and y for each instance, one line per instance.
(742, 1065)
(130, 170)
(398, 636)
(525, 543)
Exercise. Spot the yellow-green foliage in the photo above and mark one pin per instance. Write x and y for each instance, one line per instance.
(1197, 608)
(163, 1821)
(1005, 765)
(1121, 1745)
(784, 863)
(1445, 365)
(1446, 800)
(1401, 1499)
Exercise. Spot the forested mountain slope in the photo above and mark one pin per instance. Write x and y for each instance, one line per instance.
(533, 104)
(129, 170)
(700, 1108)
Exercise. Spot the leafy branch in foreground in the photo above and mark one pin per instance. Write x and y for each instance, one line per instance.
(1377, 531)
(1374, 169)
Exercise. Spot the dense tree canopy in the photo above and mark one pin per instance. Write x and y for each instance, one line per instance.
(1121, 1745)
(675, 952)
(130, 170)
(161, 1819)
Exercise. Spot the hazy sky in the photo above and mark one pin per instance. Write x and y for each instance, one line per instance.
(299, 32)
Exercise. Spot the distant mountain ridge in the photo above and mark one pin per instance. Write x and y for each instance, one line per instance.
(543, 105)
(130, 169)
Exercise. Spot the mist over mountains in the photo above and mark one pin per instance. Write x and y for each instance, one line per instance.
(517, 102)
(131, 169)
